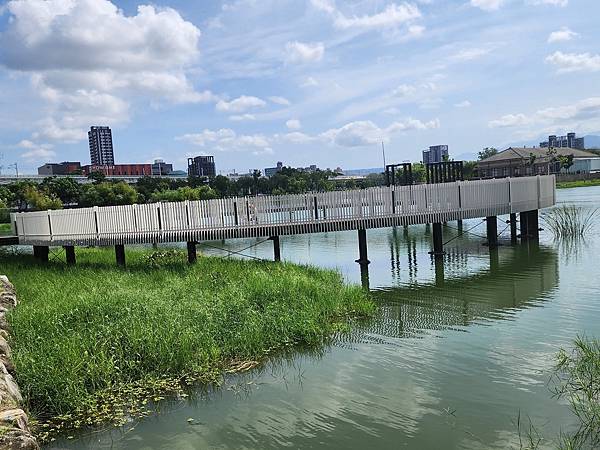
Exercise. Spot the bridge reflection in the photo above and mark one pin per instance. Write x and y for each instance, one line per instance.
(522, 278)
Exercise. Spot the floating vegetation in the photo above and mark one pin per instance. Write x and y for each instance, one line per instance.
(570, 221)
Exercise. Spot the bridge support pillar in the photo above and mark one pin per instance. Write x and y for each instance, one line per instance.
(276, 248)
(492, 231)
(70, 254)
(529, 225)
(192, 252)
(120, 254)
(41, 252)
(362, 247)
(513, 228)
(438, 244)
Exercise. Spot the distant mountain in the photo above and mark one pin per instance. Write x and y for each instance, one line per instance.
(363, 172)
(592, 141)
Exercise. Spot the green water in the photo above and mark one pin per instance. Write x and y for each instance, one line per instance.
(456, 352)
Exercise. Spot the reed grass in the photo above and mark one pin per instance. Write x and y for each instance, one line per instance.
(5, 229)
(577, 183)
(577, 379)
(570, 221)
(86, 337)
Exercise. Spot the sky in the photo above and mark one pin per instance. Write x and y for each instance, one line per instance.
(304, 82)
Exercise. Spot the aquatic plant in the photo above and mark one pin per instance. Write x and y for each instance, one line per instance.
(577, 379)
(570, 221)
(90, 342)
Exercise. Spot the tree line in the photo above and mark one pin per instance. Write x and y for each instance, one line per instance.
(57, 193)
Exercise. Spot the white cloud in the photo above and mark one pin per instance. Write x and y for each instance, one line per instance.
(404, 90)
(564, 34)
(297, 137)
(577, 115)
(226, 139)
(309, 82)
(509, 120)
(304, 52)
(470, 54)
(487, 5)
(86, 51)
(550, 2)
(36, 153)
(365, 132)
(240, 104)
(293, 124)
(280, 100)
(574, 62)
(392, 16)
(463, 104)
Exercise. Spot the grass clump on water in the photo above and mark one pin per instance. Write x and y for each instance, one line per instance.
(88, 339)
(569, 221)
(577, 379)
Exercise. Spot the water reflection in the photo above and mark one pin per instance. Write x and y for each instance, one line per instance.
(520, 281)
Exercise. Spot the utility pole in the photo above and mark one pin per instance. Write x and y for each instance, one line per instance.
(383, 151)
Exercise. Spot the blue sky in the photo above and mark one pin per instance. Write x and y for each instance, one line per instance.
(300, 81)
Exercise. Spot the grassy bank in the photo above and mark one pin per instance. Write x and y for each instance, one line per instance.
(87, 338)
(579, 183)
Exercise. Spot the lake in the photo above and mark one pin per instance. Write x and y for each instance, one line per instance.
(456, 353)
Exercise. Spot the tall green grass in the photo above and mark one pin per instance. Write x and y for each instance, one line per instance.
(577, 183)
(5, 229)
(569, 221)
(82, 332)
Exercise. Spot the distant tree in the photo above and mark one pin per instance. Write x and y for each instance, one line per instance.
(566, 161)
(96, 176)
(418, 171)
(108, 194)
(486, 153)
(38, 200)
(469, 169)
(194, 181)
(66, 189)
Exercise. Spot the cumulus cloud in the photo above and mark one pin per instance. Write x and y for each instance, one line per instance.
(392, 16)
(293, 124)
(240, 104)
(84, 51)
(574, 62)
(404, 90)
(226, 139)
(365, 132)
(487, 5)
(304, 52)
(509, 120)
(550, 2)
(577, 115)
(36, 152)
(564, 34)
(296, 137)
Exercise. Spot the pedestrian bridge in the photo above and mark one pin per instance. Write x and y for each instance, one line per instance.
(283, 214)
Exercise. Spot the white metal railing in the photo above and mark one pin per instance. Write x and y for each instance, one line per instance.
(284, 214)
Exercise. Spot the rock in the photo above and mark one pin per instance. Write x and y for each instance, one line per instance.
(10, 395)
(16, 439)
(14, 418)
(7, 284)
(4, 348)
(8, 299)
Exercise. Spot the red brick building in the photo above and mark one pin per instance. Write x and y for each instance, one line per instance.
(120, 169)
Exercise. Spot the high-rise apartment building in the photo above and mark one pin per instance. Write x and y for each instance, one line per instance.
(570, 140)
(101, 146)
(202, 166)
(435, 154)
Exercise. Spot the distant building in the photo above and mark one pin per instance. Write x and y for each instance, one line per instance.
(523, 161)
(202, 166)
(270, 171)
(101, 146)
(159, 167)
(435, 154)
(63, 168)
(570, 141)
(120, 170)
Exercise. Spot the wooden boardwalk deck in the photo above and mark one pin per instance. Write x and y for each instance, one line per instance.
(282, 215)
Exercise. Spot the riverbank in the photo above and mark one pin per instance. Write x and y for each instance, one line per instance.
(92, 342)
(578, 183)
